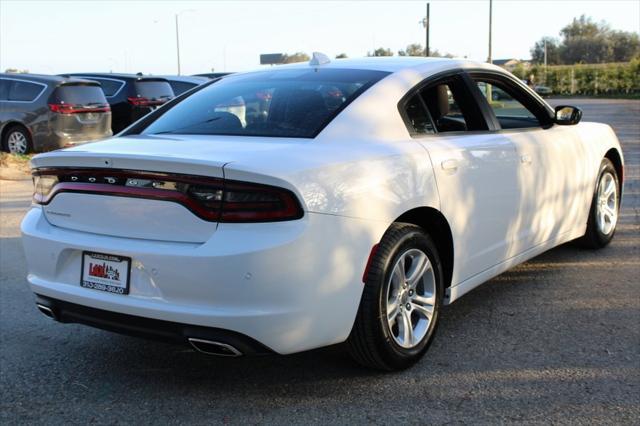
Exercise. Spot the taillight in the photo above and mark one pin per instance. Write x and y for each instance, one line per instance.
(42, 186)
(141, 101)
(77, 109)
(210, 199)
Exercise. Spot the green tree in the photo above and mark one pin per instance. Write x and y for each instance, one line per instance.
(381, 51)
(553, 51)
(625, 46)
(296, 57)
(413, 49)
(586, 41)
(341, 56)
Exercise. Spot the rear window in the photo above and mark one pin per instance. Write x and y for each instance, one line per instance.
(286, 103)
(79, 95)
(151, 89)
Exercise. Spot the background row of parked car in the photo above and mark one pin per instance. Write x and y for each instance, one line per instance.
(46, 112)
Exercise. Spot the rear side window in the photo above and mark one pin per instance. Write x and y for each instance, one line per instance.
(287, 103)
(151, 89)
(24, 91)
(109, 87)
(180, 87)
(79, 95)
(419, 121)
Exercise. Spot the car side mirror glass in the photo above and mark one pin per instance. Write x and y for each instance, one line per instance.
(567, 115)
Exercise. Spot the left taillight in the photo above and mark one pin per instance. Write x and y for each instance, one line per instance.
(42, 186)
(144, 102)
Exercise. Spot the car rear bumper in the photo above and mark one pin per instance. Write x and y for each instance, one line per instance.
(291, 286)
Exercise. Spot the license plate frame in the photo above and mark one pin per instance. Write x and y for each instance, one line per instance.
(113, 275)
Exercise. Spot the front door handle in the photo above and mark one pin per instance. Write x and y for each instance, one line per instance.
(450, 166)
(525, 159)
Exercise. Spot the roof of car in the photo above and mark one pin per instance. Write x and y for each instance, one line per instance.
(393, 63)
(44, 78)
(185, 78)
(114, 75)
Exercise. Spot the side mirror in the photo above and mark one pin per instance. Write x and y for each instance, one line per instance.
(567, 115)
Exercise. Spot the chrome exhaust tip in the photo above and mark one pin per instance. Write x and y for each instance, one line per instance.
(211, 347)
(47, 311)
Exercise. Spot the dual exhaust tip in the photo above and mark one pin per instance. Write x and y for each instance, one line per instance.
(209, 347)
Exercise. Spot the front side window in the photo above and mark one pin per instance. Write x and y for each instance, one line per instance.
(4, 89)
(285, 103)
(509, 111)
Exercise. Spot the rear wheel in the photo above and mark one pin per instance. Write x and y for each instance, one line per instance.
(17, 140)
(605, 205)
(400, 305)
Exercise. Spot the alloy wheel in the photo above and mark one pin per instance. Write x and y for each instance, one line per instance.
(607, 208)
(17, 143)
(411, 298)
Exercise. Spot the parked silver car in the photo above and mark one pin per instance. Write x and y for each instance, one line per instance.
(43, 112)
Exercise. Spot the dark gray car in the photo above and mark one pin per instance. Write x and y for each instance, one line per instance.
(43, 112)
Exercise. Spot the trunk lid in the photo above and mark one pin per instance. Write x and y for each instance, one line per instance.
(124, 216)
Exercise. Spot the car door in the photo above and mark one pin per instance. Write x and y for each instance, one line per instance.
(475, 169)
(553, 187)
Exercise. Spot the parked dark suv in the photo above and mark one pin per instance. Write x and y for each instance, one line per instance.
(131, 96)
(45, 112)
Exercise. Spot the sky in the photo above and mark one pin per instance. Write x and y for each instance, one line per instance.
(140, 36)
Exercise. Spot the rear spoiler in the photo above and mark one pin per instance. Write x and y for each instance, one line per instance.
(143, 79)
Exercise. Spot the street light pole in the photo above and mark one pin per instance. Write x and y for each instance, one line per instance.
(178, 44)
(489, 59)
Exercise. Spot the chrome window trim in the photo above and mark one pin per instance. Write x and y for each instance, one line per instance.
(122, 82)
(44, 88)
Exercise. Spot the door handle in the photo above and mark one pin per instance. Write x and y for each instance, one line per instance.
(450, 165)
(525, 159)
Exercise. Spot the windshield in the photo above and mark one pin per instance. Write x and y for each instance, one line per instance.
(286, 103)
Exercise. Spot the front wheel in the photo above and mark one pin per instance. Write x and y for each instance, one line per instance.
(605, 206)
(401, 301)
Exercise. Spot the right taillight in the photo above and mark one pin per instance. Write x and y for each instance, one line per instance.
(246, 202)
(211, 199)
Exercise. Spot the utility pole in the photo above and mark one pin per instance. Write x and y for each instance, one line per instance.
(178, 44)
(426, 27)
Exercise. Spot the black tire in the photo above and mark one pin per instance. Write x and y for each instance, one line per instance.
(594, 238)
(16, 128)
(371, 342)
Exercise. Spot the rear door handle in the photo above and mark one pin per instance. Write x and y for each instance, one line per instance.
(450, 165)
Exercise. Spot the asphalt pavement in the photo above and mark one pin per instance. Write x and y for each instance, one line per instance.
(555, 340)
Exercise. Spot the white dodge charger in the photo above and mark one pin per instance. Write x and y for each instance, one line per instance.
(307, 205)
